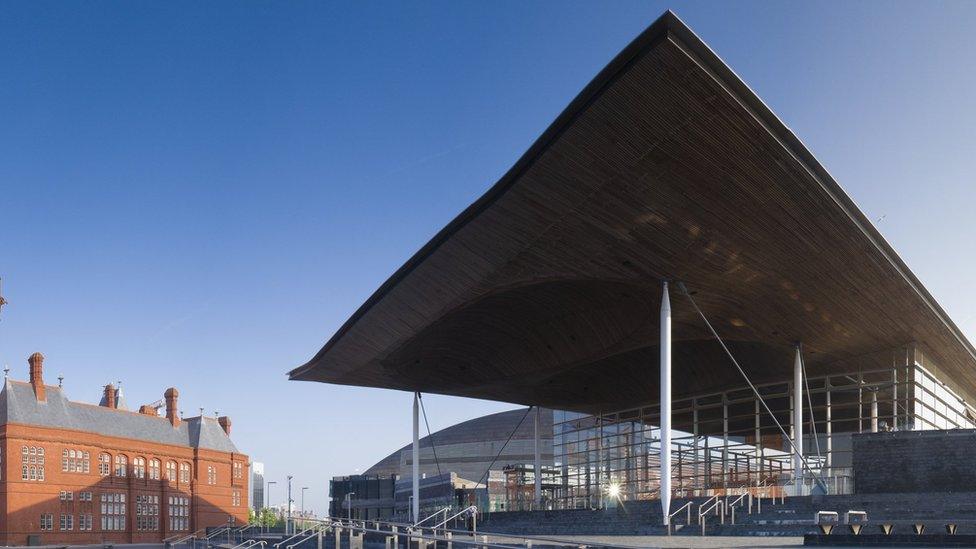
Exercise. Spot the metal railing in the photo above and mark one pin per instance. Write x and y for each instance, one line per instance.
(730, 507)
(217, 532)
(444, 511)
(248, 544)
(183, 538)
(302, 533)
(718, 506)
(704, 504)
(318, 532)
(452, 536)
(674, 514)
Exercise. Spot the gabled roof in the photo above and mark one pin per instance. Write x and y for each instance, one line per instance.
(18, 405)
(665, 167)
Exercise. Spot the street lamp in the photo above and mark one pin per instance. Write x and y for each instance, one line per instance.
(267, 495)
(302, 514)
(349, 504)
(290, 501)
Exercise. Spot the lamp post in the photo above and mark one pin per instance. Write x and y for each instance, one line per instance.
(302, 514)
(349, 505)
(290, 501)
(267, 495)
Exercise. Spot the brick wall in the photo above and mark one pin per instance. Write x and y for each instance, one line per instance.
(23, 502)
(915, 461)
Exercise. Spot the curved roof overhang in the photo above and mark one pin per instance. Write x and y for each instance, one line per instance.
(666, 166)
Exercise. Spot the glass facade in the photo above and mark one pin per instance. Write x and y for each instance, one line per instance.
(727, 443)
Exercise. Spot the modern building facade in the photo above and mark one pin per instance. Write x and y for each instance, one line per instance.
(257, 486)
(77, 473)
(461, 464)
(670, 267)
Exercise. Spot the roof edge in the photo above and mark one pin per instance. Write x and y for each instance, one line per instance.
(741, 91)
(668, 25)
(647, 38)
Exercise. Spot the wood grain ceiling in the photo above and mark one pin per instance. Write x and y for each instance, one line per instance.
(546, 290)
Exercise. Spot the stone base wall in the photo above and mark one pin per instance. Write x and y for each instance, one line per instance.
(915, 461)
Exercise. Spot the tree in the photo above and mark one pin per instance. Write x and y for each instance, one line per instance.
(266, 518)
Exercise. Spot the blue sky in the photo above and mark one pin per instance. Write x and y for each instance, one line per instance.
(199, 194)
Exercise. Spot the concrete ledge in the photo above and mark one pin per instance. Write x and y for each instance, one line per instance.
(894, 540)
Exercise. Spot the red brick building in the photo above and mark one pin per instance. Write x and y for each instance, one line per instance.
(76, 473)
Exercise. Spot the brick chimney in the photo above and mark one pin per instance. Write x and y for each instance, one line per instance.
(36, 362)
(148, 410)
(172, 411)
(110, 401)
(224, 422)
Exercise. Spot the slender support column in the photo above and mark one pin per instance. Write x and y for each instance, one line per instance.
(708, 465)
(759, 450)
(860, 402)
(830, 433)
(894, 399)
(725, 441)
(696, 456)
(665, 404)
(874, 411)
(537, 464)
(415, 503)
(798, 421)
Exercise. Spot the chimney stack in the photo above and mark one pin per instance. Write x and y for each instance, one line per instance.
(36, 362)
(110, 401)
(224, 422)
(172, 411)
(148, 410)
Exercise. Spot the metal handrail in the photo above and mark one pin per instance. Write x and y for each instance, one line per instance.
(249, 543)
(469, 509)
(217, 532)
(483, 541)
(180, 538)
(682, 508)
(303, 540)
(702, 515)
(302, 533)
(444, 510)
(730, 507)
(703, 504)
(485, 535)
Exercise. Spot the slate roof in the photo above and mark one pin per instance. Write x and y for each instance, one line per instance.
(18, 405)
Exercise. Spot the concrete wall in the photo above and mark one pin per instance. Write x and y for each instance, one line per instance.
(915, 461)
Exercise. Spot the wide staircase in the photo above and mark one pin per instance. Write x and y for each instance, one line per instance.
(793, 516)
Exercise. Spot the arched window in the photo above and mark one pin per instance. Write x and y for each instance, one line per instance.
(185, 473)
(171, 471)
(139, 467)
(154, 469)
(104, 464)
(121, 465)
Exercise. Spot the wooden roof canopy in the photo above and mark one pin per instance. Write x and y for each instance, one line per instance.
(547, 289)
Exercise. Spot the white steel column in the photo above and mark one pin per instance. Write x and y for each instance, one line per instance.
(415, 502)
(538, 458)
(665, 404)
(759, 445)
(830, 432)
(798, 422)
(874, 411)
(725, 441)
